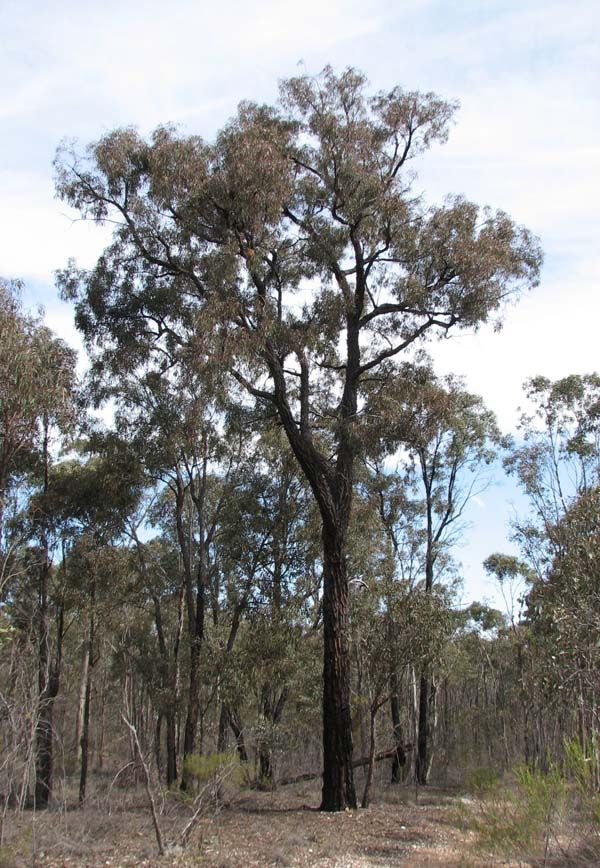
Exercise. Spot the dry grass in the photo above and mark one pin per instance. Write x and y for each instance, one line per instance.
(253, 829)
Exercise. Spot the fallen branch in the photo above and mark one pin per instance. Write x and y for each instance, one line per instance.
(138, 751)
(363, 761)
(212, 787)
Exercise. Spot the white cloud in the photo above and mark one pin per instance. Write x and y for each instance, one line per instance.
(38, 233)
(526, 139)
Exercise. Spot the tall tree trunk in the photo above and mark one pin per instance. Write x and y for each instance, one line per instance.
(422, 760)
(43, 764)
(222, 730)
(399, 759)
(157, 744)
(171, 748)
(369, 779)
(338, 780)
(2, 496)
(47, 684)
(193, 708)
(44, 771)
(102, 727)
(83, 679)
(85, 731)
(332, 486)
(238, 732)
(423, 735)
(196, 620)
(362, 723)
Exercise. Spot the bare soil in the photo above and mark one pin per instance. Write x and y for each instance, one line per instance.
(252, 829)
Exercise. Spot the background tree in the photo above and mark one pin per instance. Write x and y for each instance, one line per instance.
(449, 437)
(37, 403)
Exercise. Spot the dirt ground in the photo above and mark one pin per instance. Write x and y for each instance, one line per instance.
(252, 829)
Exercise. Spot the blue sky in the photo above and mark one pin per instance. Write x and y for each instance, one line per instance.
(527, 139)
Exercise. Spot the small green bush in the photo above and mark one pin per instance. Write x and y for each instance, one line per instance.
(540, 812)
(204, 768)
(482, 780)
(519, 821)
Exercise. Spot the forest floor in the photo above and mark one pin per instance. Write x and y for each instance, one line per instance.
(253, 829)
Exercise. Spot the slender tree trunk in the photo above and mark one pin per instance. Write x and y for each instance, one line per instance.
(222, 730)
(399, 760)
(102, 732)
(83, 679)
(197, 621)
(85, 732)
(43, 782)
(238, 732)
(193, 708)
(362, 724)
(47, 685)
(369, 780)
(422, 761)
(2, 496)
(169, 682)
(422, 764)
(171, 749)
(157, 744)
(47, 716)
(85, 744)
(338, 780)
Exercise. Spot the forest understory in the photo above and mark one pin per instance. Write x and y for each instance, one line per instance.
(403, 826)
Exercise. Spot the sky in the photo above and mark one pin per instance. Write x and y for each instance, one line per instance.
(526, 140)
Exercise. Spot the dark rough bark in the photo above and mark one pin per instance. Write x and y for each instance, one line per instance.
(230, 718)
(238, 731)
(191, 720)
(157, 744)
(171, 749)
(422, 759)
(338, 781)
(169, 678)
(222, 730)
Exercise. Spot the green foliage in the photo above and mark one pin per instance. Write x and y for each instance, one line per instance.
(482, 780)
(541, 813)
(205, 768)
(518, 821)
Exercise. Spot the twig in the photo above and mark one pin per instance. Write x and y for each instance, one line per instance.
(138, 750)
(215, 784)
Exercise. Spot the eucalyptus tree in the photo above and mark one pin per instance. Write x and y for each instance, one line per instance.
(563, 616)
(36, 390)
(452, 437)
(37, 403)
(293, 253)
(557, 463)
(557, 459)
(88, 503)
(448, 437)
(273, 549)
(170, 421)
